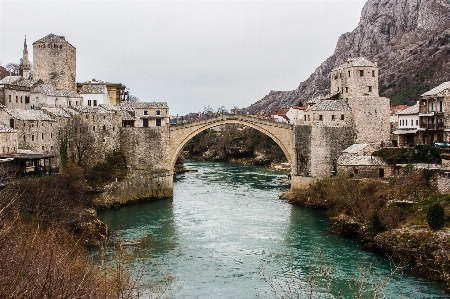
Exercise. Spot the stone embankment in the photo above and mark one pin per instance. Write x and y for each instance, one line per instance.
(137, 186)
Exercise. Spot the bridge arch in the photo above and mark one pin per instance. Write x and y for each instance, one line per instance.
(181, 134)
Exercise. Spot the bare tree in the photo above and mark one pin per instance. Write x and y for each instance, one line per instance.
(133, 99)
(222, 109)
(80, 140)
(13, 68)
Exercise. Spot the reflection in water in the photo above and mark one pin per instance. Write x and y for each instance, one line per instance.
(225, 225)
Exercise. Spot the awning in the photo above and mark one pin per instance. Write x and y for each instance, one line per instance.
(400, 132)
(427, 114)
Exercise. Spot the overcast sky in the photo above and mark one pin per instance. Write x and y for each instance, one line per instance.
(190, 54)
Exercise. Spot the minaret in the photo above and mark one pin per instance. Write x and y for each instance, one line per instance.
(25, 64)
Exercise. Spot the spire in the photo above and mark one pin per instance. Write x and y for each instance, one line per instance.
(24, 64)
(25, 47)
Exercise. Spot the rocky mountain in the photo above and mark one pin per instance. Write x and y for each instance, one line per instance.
(410, 39)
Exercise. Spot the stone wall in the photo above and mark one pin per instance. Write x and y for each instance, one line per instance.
(146, 148)
(8, 142)
(327, 143)
(138, 186)
(55, 63)
(366, 171)
(371, 119)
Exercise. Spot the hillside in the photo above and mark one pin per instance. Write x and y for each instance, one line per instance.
(410, 39)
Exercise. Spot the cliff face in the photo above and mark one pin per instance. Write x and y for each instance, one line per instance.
(410, 39)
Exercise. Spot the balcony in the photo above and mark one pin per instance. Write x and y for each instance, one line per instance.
(438, 126)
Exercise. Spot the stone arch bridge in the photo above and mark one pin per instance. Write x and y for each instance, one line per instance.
(281, 133)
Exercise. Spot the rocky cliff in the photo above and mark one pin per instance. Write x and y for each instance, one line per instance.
(410, 39)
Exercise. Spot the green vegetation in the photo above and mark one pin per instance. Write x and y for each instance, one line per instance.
(114, 166)
(436, 216)
(419, 154)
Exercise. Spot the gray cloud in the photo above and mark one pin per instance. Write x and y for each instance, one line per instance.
(188, 53)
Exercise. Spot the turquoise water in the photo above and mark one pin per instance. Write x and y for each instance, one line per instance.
(225, 234)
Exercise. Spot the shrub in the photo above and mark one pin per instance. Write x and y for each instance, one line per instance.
(375, 222)
(436, 216)
(114, 166)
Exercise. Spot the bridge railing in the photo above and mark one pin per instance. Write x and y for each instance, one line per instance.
(223, 117)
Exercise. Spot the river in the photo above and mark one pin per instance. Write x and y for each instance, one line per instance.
(225, 234)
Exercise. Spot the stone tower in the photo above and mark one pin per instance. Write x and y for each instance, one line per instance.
(25, 66)
(356, 81)
(55, 62)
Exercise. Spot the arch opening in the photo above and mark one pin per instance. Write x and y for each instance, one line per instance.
(205, 127)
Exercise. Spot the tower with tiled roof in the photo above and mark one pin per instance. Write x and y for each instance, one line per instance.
(54, 61)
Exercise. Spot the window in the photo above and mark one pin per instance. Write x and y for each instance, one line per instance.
(95, 102)
(145, 123)
(340, 75)
(42, 147)
(304, 117)
(89, 103)
(21, 99)
(9, 97)
(355, 171)
(93, 128)
(51, 134)
(333, 117)
(11, 122)
(17, 99)
(320, 117)
(104, 128)
(361, 73)
(70, 103)
(87, 116)
(349, 74)
(370, 88)
(27, 99)
(373, 73)
(342, 117)
(338, 89)
(158, 112)
(145, 112)
(76, 103)
(412, 122)
(381, 172)
(346, 90)
(417, 122)
(432, 106)
(42, 135)
(158, 122)
(32, 137)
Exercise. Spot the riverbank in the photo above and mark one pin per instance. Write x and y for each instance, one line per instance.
(386, 216)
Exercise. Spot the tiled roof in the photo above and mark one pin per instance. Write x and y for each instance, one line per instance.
(126, 115)
(393, 118)
(331, 105)
(27, 114)
(360, 161)
(355, 148)
(437, 89)
(50, 90)
(93, 89)
(355, 62)
(109, 107)
(10, 79)
(71, 111)
(299, 107)
(61, 112)
(313, 101)
(51, 38)
(93, 109)
(410, 110)
(125, 105)
(148, 105)
(6, 129)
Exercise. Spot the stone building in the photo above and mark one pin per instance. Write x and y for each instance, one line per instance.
(8, 139)
(46, 95)
(37, 131)
(54, 61)
(116, 91)
(356, 81)
(151, 114)
(15, 91)
(408, 126)
(94, 94)
(434, 114)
